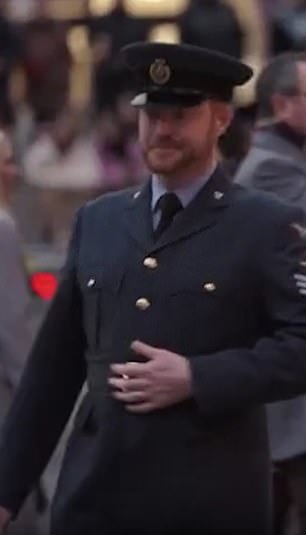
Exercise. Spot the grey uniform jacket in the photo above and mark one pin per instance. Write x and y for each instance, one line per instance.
(276, 165)
(223, 294)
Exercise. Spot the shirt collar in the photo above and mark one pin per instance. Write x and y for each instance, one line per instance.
(185, 194)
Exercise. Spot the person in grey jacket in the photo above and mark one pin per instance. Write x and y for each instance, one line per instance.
(15, 336)
(15, 331)
(276, 162)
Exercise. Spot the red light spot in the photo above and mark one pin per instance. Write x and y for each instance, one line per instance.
(44, 285)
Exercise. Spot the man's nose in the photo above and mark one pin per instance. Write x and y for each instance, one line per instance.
(164, 128)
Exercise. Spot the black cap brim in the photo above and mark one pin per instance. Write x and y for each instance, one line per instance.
(168, 99)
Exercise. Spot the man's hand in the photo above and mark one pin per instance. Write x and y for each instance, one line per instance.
(165, 379)
(5, 517)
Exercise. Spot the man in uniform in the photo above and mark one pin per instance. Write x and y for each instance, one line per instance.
(183, 306)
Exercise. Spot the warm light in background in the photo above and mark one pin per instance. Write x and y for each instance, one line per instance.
(80, 75)
(66, 9)
(165, 33)
(78, 43)
(71, 9)
(101, 7)
(155, 8)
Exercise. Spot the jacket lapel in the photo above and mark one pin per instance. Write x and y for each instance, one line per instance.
(202, 212)
(138, 217)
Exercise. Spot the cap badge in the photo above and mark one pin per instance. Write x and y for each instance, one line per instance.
(160, 72)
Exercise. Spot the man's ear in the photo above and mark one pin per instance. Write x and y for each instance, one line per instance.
(224, 116)
(281, 106)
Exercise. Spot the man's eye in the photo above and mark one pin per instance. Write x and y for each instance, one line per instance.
(153, 115)
(179, 115)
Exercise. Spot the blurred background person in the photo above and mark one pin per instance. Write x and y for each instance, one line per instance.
(15, 330)
(15, 334)
(120, 26)
(46, 64)
(10, 56)
(236, 27)
(108, 34)
(212, 24)
(63, 169)
(276, 162)
(121, 161)
(289, 26)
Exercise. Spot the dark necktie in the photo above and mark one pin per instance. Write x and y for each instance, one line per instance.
(169, 205)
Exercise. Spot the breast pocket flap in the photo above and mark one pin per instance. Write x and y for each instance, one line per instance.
(95, 280)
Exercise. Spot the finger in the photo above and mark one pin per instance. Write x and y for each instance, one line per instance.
(140, 348)
(131, 397)
(131, 369)
(141, 408)
(120, 384)
(130, 385)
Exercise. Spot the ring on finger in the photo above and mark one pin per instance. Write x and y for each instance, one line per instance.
(125, 377)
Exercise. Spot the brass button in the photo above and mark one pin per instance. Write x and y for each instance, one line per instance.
(209, 287)
(150, 262)
(143, 303)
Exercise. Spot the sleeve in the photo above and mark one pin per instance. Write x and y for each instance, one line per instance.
(275, 368)
(281, 178)
(50, 385)
(15, 332)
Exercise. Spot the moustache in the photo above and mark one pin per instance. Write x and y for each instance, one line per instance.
(164, 145)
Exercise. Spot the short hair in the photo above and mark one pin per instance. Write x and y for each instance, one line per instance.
(280, 76)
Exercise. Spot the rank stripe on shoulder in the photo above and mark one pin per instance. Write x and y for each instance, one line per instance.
(300, 281)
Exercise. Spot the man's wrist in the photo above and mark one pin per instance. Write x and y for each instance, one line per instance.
(188, 379)
(5, 518)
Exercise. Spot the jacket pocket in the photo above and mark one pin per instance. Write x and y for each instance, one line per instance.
(99, 290)
(91, 286)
